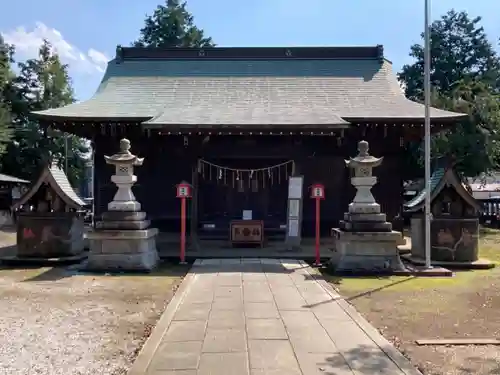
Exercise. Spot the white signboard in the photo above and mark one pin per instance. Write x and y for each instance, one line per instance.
(293, 227)
(247, 215)
(318, 192)
(294, 208)
(295, 187)
(183, 191)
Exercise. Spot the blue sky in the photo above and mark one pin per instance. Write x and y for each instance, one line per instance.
(86, 32)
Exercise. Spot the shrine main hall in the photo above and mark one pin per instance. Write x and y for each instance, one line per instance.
(237, 123)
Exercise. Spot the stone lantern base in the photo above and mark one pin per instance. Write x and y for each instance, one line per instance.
(366, 252)
(122, 241)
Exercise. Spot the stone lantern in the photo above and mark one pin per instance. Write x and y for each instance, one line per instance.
(122, 240)
(364, 211)
(124, 178)
(363, 181)
(365, 241)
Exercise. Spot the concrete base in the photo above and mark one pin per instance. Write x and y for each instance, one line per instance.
(366, 252)
(119, 250)
(480, 264)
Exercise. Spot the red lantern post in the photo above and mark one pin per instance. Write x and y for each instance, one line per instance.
(183, 192)
(317, 193)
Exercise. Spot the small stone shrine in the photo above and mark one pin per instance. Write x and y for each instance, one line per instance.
(365, 241)
(122, 240)
(454, 223)
(50, 220)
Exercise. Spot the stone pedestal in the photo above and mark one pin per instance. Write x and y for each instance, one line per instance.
(122, 240)
(365, 241)
(115, 250)
(366, 252)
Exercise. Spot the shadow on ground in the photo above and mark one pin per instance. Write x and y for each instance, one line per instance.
(58, 273)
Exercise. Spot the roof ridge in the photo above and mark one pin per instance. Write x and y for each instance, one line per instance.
(266, 53)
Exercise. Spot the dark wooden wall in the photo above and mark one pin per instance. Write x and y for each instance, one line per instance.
(171, 159)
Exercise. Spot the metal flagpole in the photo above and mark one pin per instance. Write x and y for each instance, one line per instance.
(427, 94)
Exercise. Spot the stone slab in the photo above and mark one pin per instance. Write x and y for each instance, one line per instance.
(266, 329)
(124, 206)
(317, 339)
(365, 226)
(367, 265)
(323, 363)
(116, 234)
(123, 215)
(186, 331)
(480, 264)
(223, 363)
(177, 356)
(133, 250)
(261, 310)
(364, 208)
(122, 225)
(380, 217)
(393, 236)
(143, 261)
(226, 319)
(224, 340)
(227, 304)
(272, 354)
(193, 312)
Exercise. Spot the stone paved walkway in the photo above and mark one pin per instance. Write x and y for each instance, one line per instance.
(264, 317)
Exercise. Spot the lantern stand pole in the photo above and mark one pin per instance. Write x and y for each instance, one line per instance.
(183, 231)
(427, 95)
(317, 263)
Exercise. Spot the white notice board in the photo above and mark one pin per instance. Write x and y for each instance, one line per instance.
(295, 187)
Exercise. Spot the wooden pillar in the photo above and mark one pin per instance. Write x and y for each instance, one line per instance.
(194, 205)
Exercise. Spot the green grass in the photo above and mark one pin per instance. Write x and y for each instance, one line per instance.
(489, 248)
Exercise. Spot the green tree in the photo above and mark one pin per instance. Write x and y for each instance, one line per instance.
(459, 50)
(474, 142)
(171, 25)
(6, 76)
(42, 83)
(465, 71)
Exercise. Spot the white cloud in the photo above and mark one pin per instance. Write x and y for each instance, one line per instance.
(27, 43)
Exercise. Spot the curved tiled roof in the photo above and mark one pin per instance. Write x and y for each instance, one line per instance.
(439, 178)
(249, 91)
(57, 179)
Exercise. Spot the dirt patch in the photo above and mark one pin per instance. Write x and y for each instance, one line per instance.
(405, 309)
(59, 321)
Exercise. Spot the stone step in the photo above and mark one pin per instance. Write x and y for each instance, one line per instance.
(123, 215)
(365, 226)
(125, 225)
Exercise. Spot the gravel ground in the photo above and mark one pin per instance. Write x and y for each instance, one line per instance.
(56, 321)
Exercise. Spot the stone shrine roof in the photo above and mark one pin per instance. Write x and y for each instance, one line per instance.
(439, 179)
(325, 86)
(58, 181)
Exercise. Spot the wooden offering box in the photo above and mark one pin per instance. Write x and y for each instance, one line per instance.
(246, 232)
